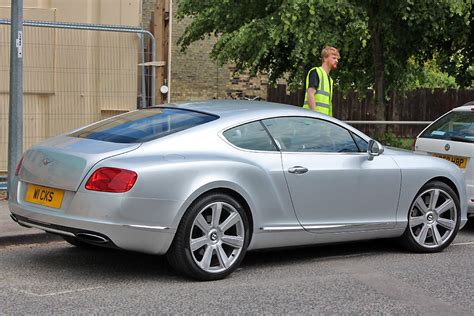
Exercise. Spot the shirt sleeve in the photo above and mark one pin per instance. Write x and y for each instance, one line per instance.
(313, 80)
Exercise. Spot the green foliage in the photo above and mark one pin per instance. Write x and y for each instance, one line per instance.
(283, 38)
(427, 75)
(389, 138)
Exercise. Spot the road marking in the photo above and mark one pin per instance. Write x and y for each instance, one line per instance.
(57, 293)
(463, 243)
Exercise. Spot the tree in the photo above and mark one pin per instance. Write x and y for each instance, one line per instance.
(376, 38)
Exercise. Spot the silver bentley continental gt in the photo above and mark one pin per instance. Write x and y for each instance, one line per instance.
(205, 182)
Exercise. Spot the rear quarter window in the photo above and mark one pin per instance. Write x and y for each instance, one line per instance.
(143, 125)
(252, 136)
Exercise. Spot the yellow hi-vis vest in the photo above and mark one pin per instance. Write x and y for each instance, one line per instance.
(323, 95)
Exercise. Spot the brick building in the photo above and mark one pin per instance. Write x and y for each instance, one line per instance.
(193, 75)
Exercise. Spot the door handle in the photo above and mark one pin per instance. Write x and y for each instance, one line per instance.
(297, 170)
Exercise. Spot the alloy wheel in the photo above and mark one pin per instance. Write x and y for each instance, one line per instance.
(217, 237)
(433, 218)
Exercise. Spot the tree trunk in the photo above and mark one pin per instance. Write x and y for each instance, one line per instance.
(378, 60)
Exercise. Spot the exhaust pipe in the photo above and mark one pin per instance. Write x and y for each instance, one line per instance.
(92, 238)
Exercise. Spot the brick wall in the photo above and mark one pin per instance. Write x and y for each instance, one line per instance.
(194, 76)
(244, 85)
(148, 7)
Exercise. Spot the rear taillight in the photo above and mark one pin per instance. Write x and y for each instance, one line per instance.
(18, 167)
(111, 180)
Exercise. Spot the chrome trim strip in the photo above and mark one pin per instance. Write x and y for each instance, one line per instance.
(330, 227)
(349, 227)
(324, 226)
(47, 229)
(282, 228)
(147, 227)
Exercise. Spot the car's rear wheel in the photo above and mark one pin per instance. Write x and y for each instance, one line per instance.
(433, 219)
(211, 239)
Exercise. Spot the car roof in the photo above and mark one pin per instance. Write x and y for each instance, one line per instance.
(466, 107)
(229, 108)
(232, 112)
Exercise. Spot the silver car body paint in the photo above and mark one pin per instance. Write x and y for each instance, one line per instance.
(343, 197)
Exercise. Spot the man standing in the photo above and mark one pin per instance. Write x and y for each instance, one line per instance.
(319, 84)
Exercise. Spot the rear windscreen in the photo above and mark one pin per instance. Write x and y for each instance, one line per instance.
(143, 125)
(458, 126)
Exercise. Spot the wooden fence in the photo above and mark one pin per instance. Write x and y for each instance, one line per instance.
(418, 105)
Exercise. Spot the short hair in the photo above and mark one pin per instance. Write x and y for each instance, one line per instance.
(328, 50)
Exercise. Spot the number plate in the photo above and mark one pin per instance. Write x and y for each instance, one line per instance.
(461, 162)
(44, 196)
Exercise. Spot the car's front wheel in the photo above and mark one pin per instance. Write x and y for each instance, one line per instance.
(433, 219)
(211, 239)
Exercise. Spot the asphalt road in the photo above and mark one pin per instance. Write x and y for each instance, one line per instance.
(369, 277)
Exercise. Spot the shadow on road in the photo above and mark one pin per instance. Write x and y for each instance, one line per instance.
(469, 228)
(117, 265)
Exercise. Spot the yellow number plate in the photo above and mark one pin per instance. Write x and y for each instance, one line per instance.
(44, 196)
(461, 162)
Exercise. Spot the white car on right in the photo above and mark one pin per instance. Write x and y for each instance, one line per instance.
(451, 137)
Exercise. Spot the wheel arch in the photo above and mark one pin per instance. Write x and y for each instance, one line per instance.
(448, 182)
(220, 188)
(236, 195)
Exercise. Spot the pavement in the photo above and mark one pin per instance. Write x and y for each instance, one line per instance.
(13, 234)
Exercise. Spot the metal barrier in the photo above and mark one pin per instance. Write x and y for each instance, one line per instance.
(75, 74)
(402, 129)
(390, 122)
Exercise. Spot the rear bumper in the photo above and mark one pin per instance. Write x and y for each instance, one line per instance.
(153, 240)
(101, 219)
(86, 236)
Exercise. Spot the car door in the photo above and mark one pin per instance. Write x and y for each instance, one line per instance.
(333, 185)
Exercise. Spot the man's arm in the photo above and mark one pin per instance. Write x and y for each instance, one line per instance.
(312, 104)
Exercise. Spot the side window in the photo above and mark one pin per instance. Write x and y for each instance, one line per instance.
(303, 134)
(251, 136)
(362, 144)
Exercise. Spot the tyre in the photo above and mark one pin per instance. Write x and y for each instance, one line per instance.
(211, 239)
(433, 219)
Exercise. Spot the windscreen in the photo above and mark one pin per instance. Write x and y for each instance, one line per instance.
(456, 125)
(143, 125)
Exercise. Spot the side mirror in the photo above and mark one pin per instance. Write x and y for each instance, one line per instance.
(374, 149)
